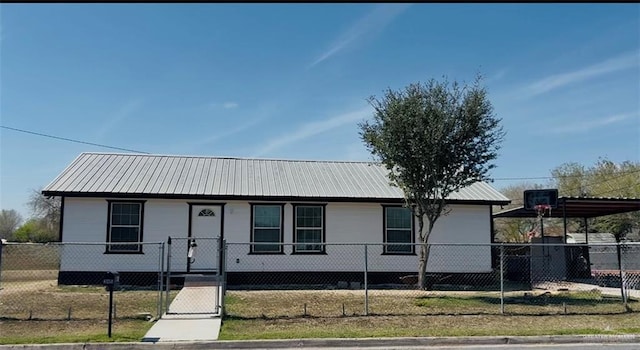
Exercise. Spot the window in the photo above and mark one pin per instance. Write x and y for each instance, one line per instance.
(308, 225)
(206, 212)
(266, 227)
(398, 228)
(125, 225)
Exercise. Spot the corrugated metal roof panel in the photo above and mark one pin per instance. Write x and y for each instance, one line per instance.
(211, 176)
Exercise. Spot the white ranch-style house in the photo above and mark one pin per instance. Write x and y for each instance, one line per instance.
(147, 198)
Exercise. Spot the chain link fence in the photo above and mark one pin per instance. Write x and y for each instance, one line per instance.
(333, 280)
(64, 281)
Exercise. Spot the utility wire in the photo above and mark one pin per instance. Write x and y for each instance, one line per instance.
(70, 140)
(136, 151)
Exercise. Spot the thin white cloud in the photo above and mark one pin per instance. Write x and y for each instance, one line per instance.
(259, 115)
(496, 76)
(374, 21)
(230, 105)
(116, 118)
(225, 105)
(311, 129)
(229, 132)
(357, 151)
(587, 125)
(621, 62)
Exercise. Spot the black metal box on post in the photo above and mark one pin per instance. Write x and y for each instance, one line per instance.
(111, 281)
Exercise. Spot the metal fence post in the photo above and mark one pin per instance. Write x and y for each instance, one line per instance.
(366, 281)
(219, 276)
(1, 246)
(168, 284)
(224, 276)
(502, 278)
(621, 272)
(160, 277)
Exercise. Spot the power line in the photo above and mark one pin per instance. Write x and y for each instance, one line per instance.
(525, 178)
(70, 140)
(563, 177)
(136, 151)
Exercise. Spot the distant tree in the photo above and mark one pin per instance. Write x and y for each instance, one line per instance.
(36, 231)
(47, 212)
(9, 222)
(604, 179)
(515, 230)
(434, 139)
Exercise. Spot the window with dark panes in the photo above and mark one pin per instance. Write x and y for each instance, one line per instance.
(125, 225)
(398, 229)
(266, 228)
(309, 228)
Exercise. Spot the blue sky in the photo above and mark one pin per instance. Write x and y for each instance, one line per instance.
(291, 80)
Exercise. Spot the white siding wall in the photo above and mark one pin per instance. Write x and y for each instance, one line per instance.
(362, 223)
(85, 220)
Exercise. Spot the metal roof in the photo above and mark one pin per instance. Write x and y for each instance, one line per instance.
(127, 175)
(579, 207)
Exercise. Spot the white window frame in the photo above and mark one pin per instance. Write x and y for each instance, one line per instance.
(297, 246)
(280, 228)
(386, 229)
(139, 226)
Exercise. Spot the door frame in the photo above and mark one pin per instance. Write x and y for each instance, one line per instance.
(190, 224)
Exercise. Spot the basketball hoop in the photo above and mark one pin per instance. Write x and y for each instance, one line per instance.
(541, 208)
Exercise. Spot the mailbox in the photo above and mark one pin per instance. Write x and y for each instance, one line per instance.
(111, 279)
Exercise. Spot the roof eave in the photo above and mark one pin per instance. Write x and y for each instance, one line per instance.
(254, 198)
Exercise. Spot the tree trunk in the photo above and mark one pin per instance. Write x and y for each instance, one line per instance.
(424, 282)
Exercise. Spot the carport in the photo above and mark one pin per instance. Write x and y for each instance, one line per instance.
(579, 208)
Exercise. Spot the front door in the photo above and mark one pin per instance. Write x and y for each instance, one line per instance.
(205, 229)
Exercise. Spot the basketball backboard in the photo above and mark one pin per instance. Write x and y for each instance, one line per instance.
(535, 197)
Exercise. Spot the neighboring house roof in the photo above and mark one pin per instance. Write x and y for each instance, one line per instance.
(165, 176)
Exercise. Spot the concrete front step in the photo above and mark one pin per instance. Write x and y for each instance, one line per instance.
(201, 280)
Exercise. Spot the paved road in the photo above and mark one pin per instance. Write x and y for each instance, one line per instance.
(487, 347)
(318, 345)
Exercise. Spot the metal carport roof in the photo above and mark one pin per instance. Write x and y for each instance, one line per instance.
(579, 207)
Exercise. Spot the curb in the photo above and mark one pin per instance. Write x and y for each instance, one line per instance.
(341, 342)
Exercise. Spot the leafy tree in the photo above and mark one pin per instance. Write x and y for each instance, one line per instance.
(9, 222)
(36, 231)
(434, 139)
(514, 230)
(604, 179)
(47, 211)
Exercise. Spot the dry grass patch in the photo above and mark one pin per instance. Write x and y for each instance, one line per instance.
(415, 326)
(334, 303)
(50, 302)
(39, 332)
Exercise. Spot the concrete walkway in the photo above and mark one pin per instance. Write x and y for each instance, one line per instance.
(193, 314)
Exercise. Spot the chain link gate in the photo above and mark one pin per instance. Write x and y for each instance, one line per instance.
(193, 268)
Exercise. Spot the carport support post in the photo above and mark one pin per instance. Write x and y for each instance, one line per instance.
(366, 282)
(502, 278)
